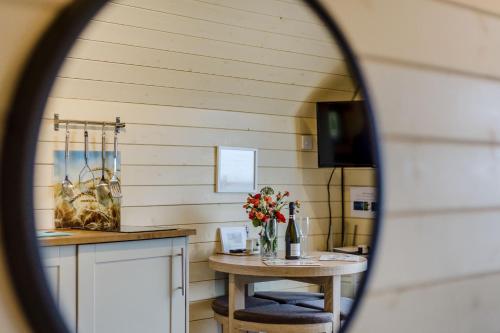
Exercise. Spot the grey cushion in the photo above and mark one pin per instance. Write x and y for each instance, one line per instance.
(220, 305)
(283, 314)
(319, 304)
(288, 297)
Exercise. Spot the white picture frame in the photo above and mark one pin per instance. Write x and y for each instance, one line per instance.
(233, 238)
(236, 170)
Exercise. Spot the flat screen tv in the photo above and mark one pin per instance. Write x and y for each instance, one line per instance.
(343, 135)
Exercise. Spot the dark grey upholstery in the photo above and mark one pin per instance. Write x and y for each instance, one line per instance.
(283, 314)
(220, 305)
(319, 304)
(287, 297)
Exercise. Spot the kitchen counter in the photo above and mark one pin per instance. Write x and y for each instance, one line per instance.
(93, 237)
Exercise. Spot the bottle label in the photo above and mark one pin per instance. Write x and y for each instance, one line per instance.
(295, 249)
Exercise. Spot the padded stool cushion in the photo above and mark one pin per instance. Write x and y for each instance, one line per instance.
(220, 305)
(319, 304)
(287, 297)
(283, 314)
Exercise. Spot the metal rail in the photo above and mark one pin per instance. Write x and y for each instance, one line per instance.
(116, 125)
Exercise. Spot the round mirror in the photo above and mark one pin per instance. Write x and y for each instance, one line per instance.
(171, 138)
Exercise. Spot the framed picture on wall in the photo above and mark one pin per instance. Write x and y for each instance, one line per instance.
(236, 170)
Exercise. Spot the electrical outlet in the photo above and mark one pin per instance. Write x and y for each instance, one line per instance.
(307, 142)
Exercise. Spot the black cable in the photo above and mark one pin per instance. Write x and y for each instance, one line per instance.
(343, 205)
(329, 211)
(356, 91)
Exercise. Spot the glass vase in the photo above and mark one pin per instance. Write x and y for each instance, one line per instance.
(269, 240)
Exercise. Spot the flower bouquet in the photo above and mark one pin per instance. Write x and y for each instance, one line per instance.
(264, 210)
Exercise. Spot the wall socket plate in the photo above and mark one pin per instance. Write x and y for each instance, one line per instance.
(307, 142)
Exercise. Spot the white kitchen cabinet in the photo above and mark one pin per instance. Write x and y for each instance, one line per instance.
(133, 286)
(60, 270)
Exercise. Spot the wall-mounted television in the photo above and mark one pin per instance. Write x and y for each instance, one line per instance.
(344, 138)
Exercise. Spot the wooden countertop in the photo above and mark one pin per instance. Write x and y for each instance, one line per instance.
(94, 237)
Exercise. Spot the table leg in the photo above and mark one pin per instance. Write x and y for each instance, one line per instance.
(332, 300)
(236, 299)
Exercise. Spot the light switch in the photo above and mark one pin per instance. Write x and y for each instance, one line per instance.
(307, 142)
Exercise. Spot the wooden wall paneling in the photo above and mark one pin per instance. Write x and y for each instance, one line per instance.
(147, 114)
(158, 77)
(109, 32)
(443, 263)
(458, 305)
(189, 136)
(152, 95)
(235, 17)
(138, 154)
(401, 38)
(279, 9)
(431, 110)
(182, 195)
(140, 175)
(203, 326)
(200, 63)
(452, 171)
(167, 22)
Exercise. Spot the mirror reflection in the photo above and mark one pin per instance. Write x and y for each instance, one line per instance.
(136, 234)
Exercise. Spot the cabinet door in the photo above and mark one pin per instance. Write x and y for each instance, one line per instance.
(126, 287)
(60, 270)
(179, 304)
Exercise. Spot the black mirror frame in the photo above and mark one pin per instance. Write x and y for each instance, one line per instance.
(17, 224)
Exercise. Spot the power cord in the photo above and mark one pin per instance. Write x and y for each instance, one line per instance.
(329, 211)
(356, 91)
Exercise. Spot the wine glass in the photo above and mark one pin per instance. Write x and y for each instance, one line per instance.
(304, 233)
(271, 231)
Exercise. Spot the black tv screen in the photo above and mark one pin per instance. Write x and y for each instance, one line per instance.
(343, 135)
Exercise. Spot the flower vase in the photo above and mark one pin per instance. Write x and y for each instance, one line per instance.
(269, 240)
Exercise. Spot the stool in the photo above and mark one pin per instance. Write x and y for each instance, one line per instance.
(280, 318)
(288, 297)
(220, 305)
(345, 305)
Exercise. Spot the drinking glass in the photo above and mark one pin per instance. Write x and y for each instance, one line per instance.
(304, 233)
(272, 229)
(269, 240)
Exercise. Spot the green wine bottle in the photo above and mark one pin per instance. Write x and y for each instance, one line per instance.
(292, 236)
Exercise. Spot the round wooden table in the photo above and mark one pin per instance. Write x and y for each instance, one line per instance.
(247, 270)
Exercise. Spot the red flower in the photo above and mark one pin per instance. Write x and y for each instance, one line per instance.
(268, 199)
(251, 215)
(255, 202)
(265, 218)
(280, 217)
(257, 196)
